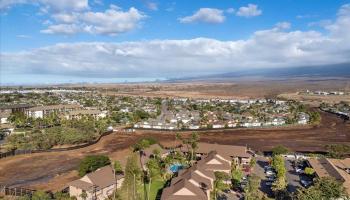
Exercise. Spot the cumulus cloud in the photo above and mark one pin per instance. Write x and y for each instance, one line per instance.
(208, 15)
(273, 47)
(110, 22)
(54, 5)
(70, 17)
(249, 11)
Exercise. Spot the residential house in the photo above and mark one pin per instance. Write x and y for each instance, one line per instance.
(183, 190)
(278, 121)
(97, 185)
(336, 168)
(303, 118)
(197, 181)
(218, 126)
(238, 154)
(4, 117)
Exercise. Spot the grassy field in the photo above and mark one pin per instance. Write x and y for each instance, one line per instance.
(156, 186)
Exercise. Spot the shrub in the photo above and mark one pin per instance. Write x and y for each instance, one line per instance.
(309, 171)
(278, 150)
(92, 163)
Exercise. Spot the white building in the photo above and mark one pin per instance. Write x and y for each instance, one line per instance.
(4, 117)
(78, 114)
(42, 111)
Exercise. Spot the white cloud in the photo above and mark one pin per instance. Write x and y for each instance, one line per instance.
(61, 29)
(152, 6)
(274, 47)
(250, 11)
(110, 22)
(65, 17)
(54, 5)
(208, 15)
(283, 25)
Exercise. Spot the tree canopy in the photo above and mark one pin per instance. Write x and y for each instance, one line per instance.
(278, 150)
(252, 191)
(338, 151)
(324, 188)
(92, 163)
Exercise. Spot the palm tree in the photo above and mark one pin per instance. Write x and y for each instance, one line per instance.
(140, 147)
(177, 137)
(194, 143)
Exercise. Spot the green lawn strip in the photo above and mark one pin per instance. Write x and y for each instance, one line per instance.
(156, 185)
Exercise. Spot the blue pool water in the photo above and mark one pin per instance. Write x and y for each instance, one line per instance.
(175, 167)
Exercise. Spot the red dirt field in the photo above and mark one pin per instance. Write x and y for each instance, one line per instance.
(51, 171)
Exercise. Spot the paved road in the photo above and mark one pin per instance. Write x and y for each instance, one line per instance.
(292, 177)
(164, 110)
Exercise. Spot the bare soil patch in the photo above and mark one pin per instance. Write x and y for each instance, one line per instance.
(51, 171)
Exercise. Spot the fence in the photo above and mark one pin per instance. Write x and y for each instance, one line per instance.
(343, 116)
(19, 191)
(16, 191)
(21, 152)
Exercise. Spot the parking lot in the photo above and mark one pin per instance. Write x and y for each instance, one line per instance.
(293, 177)
(261, 163)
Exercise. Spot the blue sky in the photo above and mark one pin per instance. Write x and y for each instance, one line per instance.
(124, 40)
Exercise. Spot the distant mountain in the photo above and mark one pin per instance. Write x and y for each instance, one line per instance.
(339, 70)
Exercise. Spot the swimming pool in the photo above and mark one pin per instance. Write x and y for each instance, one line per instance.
(175, 167)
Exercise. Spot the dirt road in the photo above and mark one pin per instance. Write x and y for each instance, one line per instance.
(51, 171)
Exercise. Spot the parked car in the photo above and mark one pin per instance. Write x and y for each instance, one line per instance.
(270, 173)
(268, 183)
(267, 168)
(271, 178)
(299, 170)
(305, 183)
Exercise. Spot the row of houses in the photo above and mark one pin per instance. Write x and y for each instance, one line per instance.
(325, 93)
(197, 182)
(216, 100)
(176, 124)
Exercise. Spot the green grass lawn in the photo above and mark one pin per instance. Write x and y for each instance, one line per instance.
(156, 185)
